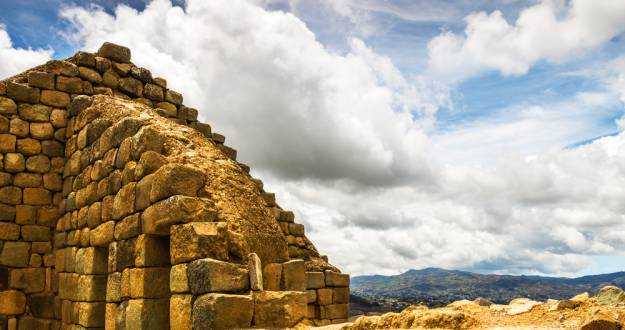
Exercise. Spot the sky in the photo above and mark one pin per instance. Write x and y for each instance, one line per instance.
(477, 135)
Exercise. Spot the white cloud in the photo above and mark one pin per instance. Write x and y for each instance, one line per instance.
(15, 60)
(343, 139)
(305, 111)
(551, 30)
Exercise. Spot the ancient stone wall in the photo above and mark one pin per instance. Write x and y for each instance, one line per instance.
(117, 206)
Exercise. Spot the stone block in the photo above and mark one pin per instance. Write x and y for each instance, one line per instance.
(113, 287)
(19, 127)
(38, 164)
(9, 231)
(12, 302)
(78, 104)
(197, 240)
(147, 314)
(27, 180)
(95, 260)
(7, 212)
(55, 98)
(14, 163)
(336, 279)
(311, 296)
(52, 148)
(173, 97)
(209, 275)
(58, 118)
(39, 79)
(158, 218)
(10, 195)
(203, 128)
(41, 131)
(149, 162)
(37, 196)
(153, 92)
(62, 68)
(91, 288)
(324, 296)
(110, 317)
(28, 147)
(41, 305)
(15, 254)
(186, 113)
(89, 75)
(114, 52)
(142, 198)
(22, 92)
(124, 203)
(91, 314)
(176, 179)
(32, 233)
(128, 227)
(130, 86)
(279, 309)
(151, 282)
(222, 311)
(166, 109)
(335, 311)
(255, 269)
(178, 280)
(71, 85)
(151, 251)
(5, 178)
(272, 275)
(7, 106)
(29, 280)
(7, 143)
(85, 59)
(103, 234)
(315, 280)
(340, 295)
(142, 74)
(294, 275)
(180, 311)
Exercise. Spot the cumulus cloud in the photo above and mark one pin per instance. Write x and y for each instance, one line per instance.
(15, 60)
(264, 80)
(550, 30)
(345, 140)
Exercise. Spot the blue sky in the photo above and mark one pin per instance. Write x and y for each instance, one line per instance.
(415, 128)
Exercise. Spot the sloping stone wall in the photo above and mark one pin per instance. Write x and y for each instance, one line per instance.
(117, 206)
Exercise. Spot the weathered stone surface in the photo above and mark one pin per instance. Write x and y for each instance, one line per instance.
(113, 287)
(78, 104)
(147, 314)
(180, 311)
(149, 138)
(34, 112)
(281, 309)
(176, 179)
(198, 240)
(7, 143)
(9, 231)
(124, 203)
(128, 227)
(19, 127)
(62, 68)
(209, 275)
(151, 251)
(150, 161)
(601, 323)
(222, 311)
(336, 279)
(69, 84)
(521, 305)
(173, 97)
(41, 305)
(91, 314)
(22, 92)
(28, 147)
(12, 302)
(324, 296)
(7, 212)
(315, 280)
(10, 195)
(32, 233)
(610, 295)
(166, 109)
(41, 131)
(158, 218)
(131, 86)
(178, 280)
(294, 275)
(150, 282)
(103, 234)
(272, 275)
(142, 74)
(114, 52)
(14, 162)
(340, 295)
(89, 75)
(91, 288)
(153, 92)
(7, 106)
(255, 270)
(335, 311)
(55, 98)
(142, 192)
(37, 196)
(94, 261)
(15, 254)
(29, 280)
(44, 80)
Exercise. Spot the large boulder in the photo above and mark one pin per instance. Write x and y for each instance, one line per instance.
(610, 295)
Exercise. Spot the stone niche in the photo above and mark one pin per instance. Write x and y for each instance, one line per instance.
(120, 210)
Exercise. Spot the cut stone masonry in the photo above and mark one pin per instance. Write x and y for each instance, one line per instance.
(120, 210)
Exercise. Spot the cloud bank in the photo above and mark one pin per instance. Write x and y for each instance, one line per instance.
(346, 140)
(549, 30)
(15, 60)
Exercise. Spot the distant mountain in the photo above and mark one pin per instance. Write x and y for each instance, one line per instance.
(435, 286)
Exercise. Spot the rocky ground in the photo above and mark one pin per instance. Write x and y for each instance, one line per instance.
(606, 311)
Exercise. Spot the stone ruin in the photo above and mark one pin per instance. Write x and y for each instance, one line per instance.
(119, 210)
